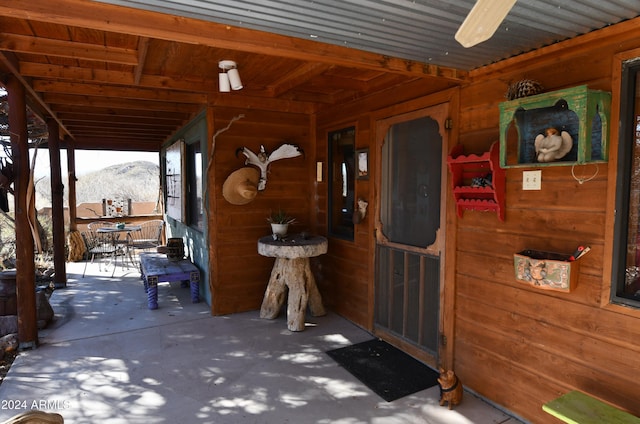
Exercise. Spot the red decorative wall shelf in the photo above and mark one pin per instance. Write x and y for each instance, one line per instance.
(477, 181)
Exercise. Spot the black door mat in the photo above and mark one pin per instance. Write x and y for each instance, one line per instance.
(386, 370)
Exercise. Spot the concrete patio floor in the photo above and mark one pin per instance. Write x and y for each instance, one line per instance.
(108, 359)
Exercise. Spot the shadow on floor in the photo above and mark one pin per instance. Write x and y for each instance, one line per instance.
(107, 358)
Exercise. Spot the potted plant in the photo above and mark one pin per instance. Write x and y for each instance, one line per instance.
(280, 221)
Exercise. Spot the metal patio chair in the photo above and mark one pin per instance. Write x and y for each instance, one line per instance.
(100, 245)
(148, 237)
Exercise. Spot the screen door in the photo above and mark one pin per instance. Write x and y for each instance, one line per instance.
(408, 230)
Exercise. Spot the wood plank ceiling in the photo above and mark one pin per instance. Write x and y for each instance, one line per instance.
(117, 78)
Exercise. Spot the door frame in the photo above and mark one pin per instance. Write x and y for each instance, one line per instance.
(446, 234)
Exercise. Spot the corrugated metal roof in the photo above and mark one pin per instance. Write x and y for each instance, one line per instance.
(410, 29)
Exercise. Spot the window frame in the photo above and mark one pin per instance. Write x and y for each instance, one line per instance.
(195, 208)
(343, 231)
(629, 77)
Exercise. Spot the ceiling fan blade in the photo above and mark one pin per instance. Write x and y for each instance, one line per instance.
(483, 21)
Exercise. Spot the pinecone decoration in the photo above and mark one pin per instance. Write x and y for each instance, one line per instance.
(523, 88)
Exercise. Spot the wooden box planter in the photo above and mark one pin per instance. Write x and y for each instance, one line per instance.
(581, 112)
(545, 270)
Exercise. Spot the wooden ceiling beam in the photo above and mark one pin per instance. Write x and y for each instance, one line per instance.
(336, 82)
(143, 48)
(103, 90)
(296, 77)
(101, 76)
(72, 119)
(11, 63)
(106, 143)
(122, 113)
(117, 103)
(116, 126)
(100, 16)
(262, 103)
(132, 137)
(68, 49)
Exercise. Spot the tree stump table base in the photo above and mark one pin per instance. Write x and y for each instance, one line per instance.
(291, 272)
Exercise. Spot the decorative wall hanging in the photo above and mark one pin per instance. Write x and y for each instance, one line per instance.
(174, 184)
(362, 161)
(552, 145)
(548, 271)
(263, 159)
(361, 211)
(241, 186)
(523, 88)
(582, 113)
(116, 207)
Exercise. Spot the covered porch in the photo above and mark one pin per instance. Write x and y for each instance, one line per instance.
(104, 75)
(107, 358)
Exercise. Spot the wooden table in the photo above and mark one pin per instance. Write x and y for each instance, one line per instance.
(156, 268)
(291, 269)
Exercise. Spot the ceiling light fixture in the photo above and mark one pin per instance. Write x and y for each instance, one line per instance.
(229, 78)
(483, 21)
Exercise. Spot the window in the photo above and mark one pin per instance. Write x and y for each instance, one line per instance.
(194, 168)
(342, 180)
(411, 168)
(626, 260)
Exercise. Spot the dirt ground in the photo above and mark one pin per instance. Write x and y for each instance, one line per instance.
(5, 364)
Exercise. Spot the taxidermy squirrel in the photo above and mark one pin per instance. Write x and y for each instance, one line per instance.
(553, 145)
(450, 388)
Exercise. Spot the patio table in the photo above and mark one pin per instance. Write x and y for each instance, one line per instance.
(291, 270)
(119, 242)
(156, 268)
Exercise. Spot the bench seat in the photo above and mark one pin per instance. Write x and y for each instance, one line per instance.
(579, 408)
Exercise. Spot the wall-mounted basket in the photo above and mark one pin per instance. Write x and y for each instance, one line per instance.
(546, 270)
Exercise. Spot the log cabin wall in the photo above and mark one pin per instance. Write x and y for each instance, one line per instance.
(238, 274)
(514, 344)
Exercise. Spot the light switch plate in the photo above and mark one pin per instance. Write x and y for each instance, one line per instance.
(532, 180)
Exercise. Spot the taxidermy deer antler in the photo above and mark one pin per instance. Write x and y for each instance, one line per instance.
(263, 159)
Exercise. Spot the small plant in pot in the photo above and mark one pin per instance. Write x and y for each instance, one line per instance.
(280, 221)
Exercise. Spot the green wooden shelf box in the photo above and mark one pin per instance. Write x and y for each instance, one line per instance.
(583, 113)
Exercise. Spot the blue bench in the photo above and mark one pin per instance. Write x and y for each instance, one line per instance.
(156, 268)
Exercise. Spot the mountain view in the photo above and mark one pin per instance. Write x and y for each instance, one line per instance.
(138, 181)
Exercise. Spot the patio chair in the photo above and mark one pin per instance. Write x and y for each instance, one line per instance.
(99, 245)
(147, 237)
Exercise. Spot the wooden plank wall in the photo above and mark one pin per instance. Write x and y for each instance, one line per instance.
(348, 266)
(518, 346)
(515, 344)
(239, 275)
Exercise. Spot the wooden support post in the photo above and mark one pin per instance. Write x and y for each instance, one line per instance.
(25, 264)
(71, 166)
(57, 205)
